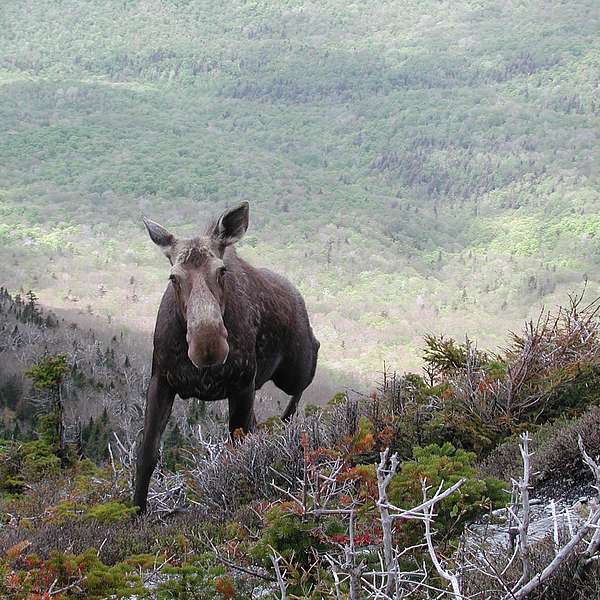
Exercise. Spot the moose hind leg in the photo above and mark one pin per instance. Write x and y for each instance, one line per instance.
(290, 410)
(159, 403)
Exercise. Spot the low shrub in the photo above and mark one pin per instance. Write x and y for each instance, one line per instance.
(555, 449)
(287, 534)
(446, 464)
(26, 462)
(39, 461)
(110, 512)
(201, 578)
(31, 577)
(11, 479)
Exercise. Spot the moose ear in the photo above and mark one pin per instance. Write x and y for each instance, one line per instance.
(232, 224)
(159, 235)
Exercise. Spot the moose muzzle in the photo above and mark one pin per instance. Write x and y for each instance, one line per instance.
(209, 347)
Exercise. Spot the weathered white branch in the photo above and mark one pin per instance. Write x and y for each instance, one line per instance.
(384, 477)
(566, 551)
(594, 544)
(428, 508)
(523, 521)
(280, 577)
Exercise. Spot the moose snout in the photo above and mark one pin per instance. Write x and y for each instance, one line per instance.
(208, 350)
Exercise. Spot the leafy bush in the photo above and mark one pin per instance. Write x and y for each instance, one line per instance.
(63, 570)
(11, 479)
(39, 461)
(49, 372)
(110, 512)
(107, 512)
(287, 534)
(436, 464)
(555, 449)
(200, 578)
(28, 462)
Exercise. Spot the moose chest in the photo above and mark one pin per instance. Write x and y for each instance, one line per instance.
(243, 367)
(212, 383)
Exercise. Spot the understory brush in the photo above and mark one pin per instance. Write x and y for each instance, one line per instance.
(365, 493)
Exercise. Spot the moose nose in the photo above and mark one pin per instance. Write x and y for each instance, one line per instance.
(208, 354)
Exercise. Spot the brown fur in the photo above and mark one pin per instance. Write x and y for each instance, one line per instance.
(263, 322)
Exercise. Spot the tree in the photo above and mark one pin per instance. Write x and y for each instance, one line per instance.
(47, 377)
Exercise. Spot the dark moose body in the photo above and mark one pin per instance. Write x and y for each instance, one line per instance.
(224, 328)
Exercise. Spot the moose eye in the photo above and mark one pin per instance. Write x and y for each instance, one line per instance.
(220, 273)
(173, 278)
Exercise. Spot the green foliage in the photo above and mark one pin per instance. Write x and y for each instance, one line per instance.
(47, 429)
(458, 150)
(337, 399)
(311, 409)
(364, 438)
(200, 578)
(49, 372)
(105, 513)
(47, 376)
(11, 478)
(285, 532)
(173, 442)
(370, 142)
(95, 436)
(86, 570)
(110, 512)
(570, 389)
(66, 510)
(453, 425)
(548, 371)
(272, 423)
(444, 355)
(21, 463)
(436, 464)
(39, 461)
(10, 392)
(196, 412)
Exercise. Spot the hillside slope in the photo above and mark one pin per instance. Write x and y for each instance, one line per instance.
(412, 166)
(315, 493)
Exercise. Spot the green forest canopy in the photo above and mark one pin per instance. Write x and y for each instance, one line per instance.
(411, 165)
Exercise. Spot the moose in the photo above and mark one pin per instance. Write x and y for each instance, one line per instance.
(224, 328)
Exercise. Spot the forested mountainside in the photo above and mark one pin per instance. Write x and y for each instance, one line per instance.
(416, 168)
(412, 166)
(103, 386)
(101, 378)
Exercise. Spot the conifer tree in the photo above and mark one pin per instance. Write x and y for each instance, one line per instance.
(47, 376)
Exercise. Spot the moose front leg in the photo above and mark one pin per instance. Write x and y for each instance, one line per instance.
(241, 410)
(159, 402)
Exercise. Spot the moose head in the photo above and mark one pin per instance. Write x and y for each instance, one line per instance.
(198, 276)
